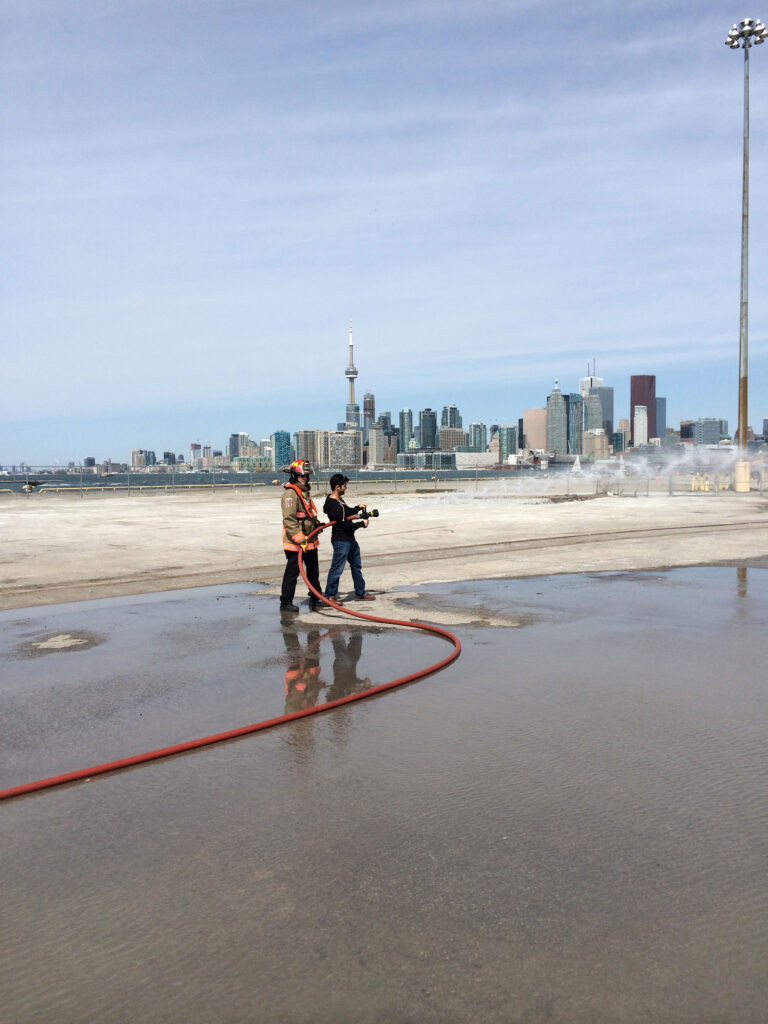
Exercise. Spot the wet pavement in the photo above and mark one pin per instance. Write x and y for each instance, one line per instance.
(568, 824)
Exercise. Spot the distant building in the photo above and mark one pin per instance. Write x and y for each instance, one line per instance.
(450, 417)
(252, 464)
(557, 423)
(575, 408)
(385, 419)
(624, 428)
(449, 438)
(238, 444)
(369, 413)
(595, 444)
(606, 401)
(307, 446)
(426, 460)
(89, 462)
(427, 428)
(642, 391)
(341, 449)
(709, 431)
(352, 420)
(507, 443)
(169, 458)
(406, 429)
(593, 412)
(478, 436)
(640, 425)
(661, 417)
(375, 445)
(589, 383)
(138, 458)
(687, 430)
(535, 429)
(282, 453)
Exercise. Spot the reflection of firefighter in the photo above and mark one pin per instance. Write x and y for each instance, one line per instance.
(346, 654)
(302, 676)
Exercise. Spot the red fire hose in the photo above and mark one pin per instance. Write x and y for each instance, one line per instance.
(206, 741)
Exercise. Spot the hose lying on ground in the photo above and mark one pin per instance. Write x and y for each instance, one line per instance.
(231, 734)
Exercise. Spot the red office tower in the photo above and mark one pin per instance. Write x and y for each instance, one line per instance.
(642, 391)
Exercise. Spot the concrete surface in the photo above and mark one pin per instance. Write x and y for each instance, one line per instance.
(64, 548)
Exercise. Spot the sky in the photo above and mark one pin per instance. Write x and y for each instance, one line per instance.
(197, 196)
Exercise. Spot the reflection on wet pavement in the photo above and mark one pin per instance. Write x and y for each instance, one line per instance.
(156, 670)
(567, 825)
(303, 685)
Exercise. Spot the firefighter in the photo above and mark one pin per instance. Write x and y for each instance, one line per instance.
(299, 519)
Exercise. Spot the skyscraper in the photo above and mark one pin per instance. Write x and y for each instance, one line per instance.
(642, 391)
(507, 443)
(282, 453)
(307, 446)
(661, 417)
(428, 428)
(593, 412)
(369, 413)
(535, 428)
(406, 429)
(557, 422)
(606, 400)
(589, 383)
(353, 410)
(237, 444)
(640, 425)
(577, 421)
(450, 417)
(478, 436)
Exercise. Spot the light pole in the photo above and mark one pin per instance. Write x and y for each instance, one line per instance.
(747, 33)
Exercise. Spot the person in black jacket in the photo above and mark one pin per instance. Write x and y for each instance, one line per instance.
(345, 547)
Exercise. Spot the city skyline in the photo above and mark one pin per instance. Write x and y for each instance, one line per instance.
(196, 199)
(411, 420)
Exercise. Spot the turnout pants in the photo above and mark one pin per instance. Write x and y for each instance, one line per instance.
(291, 574)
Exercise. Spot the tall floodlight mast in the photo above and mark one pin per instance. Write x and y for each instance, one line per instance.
(747, 33)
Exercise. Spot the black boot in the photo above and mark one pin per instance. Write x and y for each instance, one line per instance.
(286, 606)
(315, 604)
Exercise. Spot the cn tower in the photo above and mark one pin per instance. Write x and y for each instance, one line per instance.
(353, 410)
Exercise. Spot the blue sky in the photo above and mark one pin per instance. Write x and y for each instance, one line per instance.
(196, 197)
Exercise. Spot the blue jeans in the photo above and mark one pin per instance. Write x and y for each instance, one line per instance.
(345, 551)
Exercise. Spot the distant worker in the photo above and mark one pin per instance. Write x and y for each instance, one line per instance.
(345, 547)
(299, 520)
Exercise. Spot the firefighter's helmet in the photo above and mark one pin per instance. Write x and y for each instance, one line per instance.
(300, 467)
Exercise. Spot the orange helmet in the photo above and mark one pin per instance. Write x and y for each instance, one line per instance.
(300, 467)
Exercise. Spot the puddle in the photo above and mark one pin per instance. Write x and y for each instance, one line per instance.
(568, 824)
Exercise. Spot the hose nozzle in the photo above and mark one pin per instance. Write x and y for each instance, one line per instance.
(365, 514)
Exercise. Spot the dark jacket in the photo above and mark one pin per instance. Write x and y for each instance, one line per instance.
(339, 512)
